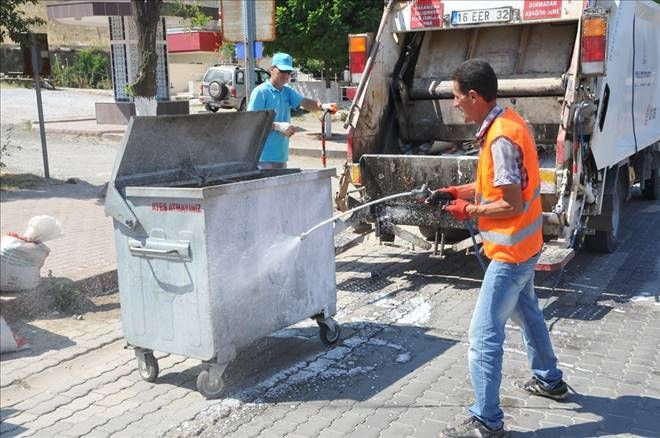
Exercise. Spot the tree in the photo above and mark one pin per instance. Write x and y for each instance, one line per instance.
(146, 14)
(315, 32)
(13, 22)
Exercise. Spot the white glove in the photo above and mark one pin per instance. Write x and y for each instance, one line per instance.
(332, 107)
(284, 128)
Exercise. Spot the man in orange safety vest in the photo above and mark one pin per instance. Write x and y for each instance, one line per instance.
(507, 205)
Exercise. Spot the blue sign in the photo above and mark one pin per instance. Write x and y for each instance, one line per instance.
(258, 50)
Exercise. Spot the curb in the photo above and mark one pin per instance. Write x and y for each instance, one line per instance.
(31, 303)
(68, 119)
(316, 153)
(99, 284)
(86, 132)
(118, 135)
(94, 91)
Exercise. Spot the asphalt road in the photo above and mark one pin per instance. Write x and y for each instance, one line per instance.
(19, 105)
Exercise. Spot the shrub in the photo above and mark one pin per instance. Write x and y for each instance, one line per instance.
(89, 69)
(67, 298)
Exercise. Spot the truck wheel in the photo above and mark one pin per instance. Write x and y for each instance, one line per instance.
(651, 189)
(451, 234)
(427, 232)
(606, 240)
(242, 106)
(210, 108)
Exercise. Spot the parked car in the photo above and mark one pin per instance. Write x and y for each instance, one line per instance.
(223, 86)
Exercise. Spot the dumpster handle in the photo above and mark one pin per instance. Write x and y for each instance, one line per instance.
(170, 250)
(148, 251)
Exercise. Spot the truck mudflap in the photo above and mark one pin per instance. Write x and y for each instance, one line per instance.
(384, 175)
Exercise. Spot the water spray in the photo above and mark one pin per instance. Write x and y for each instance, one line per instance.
(420, 194)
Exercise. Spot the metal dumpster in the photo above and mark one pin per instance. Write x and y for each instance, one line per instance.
(208, 250)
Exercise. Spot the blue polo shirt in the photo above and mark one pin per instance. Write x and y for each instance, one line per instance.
(265, 97)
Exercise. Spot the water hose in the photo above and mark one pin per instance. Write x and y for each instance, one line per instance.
(347, 212)
(477, 253)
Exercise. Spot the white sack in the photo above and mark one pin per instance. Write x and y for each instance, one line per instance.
(20, 263)
(43, 228)
(21, 257)
(8, 340)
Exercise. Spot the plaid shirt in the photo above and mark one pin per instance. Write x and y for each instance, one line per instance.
(507, 155)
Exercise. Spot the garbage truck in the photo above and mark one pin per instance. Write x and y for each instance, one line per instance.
(582, 73)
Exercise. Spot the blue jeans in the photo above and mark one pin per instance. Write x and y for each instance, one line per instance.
(507, 291)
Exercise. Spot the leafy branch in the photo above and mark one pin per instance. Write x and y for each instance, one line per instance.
(13, 21)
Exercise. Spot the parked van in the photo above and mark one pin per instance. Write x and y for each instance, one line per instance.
(223, 86)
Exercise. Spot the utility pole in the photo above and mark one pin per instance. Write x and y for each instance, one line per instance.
(250, 32)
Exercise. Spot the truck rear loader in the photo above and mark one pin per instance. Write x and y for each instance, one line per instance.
(583, 74)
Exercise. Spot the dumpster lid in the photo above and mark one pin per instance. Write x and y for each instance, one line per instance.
(164, 150)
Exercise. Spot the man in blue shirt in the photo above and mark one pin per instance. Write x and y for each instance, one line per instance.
(277, 95)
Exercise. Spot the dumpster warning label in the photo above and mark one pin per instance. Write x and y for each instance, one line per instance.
(176, 206)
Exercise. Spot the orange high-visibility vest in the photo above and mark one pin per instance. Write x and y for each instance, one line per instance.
(513, 239)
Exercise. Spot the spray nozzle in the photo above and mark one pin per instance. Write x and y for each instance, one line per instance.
(421, 193)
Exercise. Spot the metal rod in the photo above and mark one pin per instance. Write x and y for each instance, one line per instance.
(249, 30)
(37, 86)
(347, 212)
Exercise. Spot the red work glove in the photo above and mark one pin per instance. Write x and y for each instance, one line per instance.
(457, 209)
(442, 195)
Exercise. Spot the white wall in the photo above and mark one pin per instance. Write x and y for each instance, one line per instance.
(185, 67)
(317, 90)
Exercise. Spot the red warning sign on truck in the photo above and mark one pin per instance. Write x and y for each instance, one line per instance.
(425, 13)
(541, 9)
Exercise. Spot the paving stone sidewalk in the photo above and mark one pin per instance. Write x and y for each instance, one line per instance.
(399, 370)
(87, 248)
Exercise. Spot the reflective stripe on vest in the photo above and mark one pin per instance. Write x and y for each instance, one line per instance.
(512, 239)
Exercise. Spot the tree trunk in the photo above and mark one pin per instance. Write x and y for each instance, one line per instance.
(146, 14)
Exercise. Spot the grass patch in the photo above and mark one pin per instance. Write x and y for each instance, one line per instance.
(14, 182)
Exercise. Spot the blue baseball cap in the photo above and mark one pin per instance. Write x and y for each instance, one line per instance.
(283, 61)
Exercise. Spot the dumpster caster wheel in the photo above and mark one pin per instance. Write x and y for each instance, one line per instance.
(328, 331)
(210, 383)
(147, 366)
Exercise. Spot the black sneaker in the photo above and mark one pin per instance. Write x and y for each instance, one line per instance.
(473, 428)
(534, 387)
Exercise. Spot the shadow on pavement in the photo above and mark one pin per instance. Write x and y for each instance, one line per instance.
(629, 414)
(12, 429)
(29, 186)
(387, 265)
(39, 341)
(293, 365)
